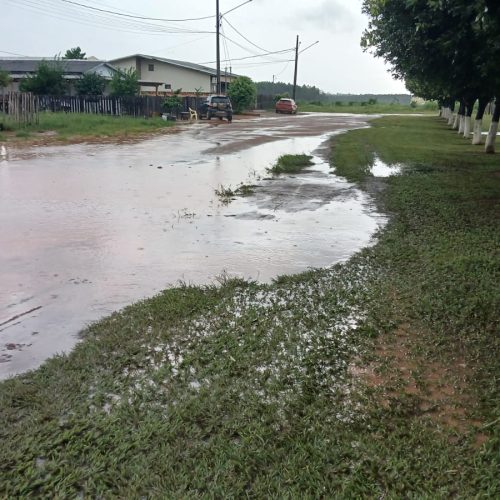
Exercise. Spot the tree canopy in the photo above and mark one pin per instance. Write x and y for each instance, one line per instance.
(74, 53)
(445, 50)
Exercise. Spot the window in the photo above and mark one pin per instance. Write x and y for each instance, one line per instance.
(151, 67)
(168, 86)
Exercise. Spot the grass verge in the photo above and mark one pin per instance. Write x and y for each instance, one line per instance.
(68, 126)
(290, 164)
(333, 383)
(368, 109)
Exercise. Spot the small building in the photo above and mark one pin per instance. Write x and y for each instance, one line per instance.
(161, 76)
(73, 69)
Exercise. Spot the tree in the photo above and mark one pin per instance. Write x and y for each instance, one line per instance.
(125, 83)
(48, 80)
(91, 84)
(5, 81)
(74, 53)
(242, 92)
(444, 50)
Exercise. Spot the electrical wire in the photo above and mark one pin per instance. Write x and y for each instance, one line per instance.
(115, 13)
(251, 57)
(244, 37)
(100, 20)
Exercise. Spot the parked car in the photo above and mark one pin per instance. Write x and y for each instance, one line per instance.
(216, 106)
(286, 106)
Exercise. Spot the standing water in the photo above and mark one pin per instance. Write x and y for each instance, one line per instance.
(88, 229)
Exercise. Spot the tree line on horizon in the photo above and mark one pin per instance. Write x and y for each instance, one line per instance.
(313, 94)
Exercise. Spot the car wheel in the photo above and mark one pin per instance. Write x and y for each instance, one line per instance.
(209, 116)
(229, 119)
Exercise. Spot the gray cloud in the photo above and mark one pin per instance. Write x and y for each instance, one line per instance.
(330, 15)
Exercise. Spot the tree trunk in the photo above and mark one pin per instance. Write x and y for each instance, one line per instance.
(461, 126)
(451, 117)
(469, 107)
(478, 125)
(492, 135)
(458, 118)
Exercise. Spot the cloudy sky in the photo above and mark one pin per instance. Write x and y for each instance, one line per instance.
(336, 64)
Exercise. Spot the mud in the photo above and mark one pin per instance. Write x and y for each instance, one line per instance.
(87, 229)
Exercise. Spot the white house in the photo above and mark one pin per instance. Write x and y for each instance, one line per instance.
(161, 76)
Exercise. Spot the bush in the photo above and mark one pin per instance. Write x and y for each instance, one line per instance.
(91, 84)
(48, 80)
(242, 92)
(125, 83)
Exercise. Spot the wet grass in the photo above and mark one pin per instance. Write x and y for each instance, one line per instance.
(290, 164)
(226, 194)
(250, 390)
(70, 125)
(369, 109)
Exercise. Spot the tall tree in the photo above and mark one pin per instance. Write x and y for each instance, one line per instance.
(74, 53)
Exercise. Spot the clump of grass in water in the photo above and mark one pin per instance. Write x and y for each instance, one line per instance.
(226, 194)
(290, 164)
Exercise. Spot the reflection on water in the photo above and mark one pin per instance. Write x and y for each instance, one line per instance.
(381, 169)
(86, 230)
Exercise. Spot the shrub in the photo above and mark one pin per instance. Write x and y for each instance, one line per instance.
(91, 84)
(125, 82)
(242, 92)
(48, 79)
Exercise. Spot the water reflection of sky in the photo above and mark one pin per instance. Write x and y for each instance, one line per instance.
(85, 230)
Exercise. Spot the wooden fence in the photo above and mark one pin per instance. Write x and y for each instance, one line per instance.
(140, 106)
(22, 107)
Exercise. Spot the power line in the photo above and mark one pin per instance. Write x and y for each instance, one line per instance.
(99, 20)
(254, 56)
(244, 37)
(115, 13)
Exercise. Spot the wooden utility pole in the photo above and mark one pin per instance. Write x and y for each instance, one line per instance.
(296, 66)
(218, 46)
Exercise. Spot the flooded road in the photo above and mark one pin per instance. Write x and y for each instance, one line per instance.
(88, 229)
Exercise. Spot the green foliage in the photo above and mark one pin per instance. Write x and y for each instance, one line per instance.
(173, 103)
(284, 95)
(5, 79)
(74, 53)
(91, 84)
(242, 92)
(47, 80)
(125, 83)
(291, 164)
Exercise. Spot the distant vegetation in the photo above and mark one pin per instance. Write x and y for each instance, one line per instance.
(314, 95)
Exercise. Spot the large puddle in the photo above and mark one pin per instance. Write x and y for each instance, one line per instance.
(88, 229)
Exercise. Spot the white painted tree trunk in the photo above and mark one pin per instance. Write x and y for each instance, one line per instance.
(451, 118)
(456, 122)
(478, 132)
(467, 126)
(461, 126)
(492, 135)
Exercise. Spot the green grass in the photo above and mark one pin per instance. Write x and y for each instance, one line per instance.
(226, 194)
(290, 164)
(357, 108)
(73, 125)
(244, 390)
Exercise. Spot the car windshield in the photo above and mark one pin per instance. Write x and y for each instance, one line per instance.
(286, 100)
(220, 99)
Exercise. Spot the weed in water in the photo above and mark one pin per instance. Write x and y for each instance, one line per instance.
(290, 164)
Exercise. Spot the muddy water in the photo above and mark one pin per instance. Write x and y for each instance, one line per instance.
(88, 229)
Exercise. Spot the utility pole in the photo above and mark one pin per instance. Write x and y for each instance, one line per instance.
(217, 91)
(296, 66)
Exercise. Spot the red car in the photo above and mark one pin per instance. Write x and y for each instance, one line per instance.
(286, 106)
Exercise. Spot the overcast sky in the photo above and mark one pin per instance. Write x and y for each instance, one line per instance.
(44, 28)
